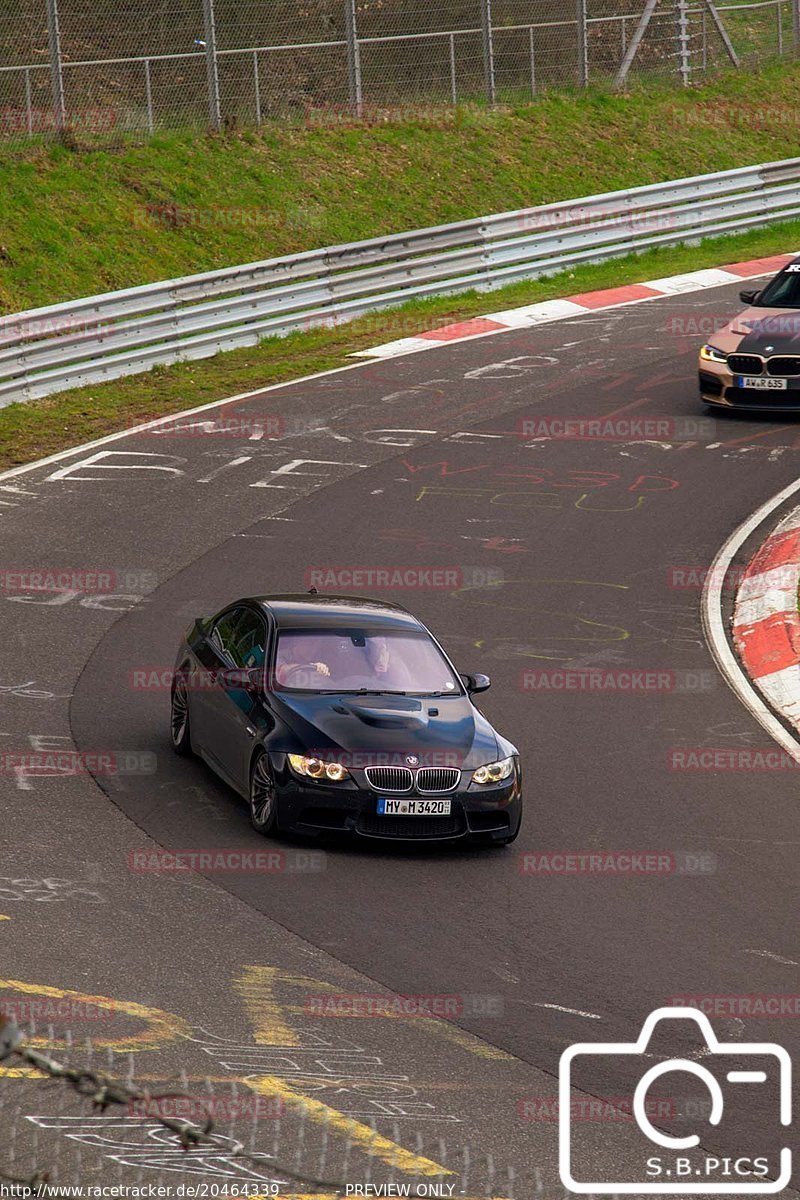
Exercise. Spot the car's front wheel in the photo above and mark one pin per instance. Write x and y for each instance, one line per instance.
(179, 718)
(263, 801)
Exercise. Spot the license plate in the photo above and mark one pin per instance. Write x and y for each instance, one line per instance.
(761, 383)
(413, 808)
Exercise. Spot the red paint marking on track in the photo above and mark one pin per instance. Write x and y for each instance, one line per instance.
(777, 551)
(608, 297)
(461, 329)
(769, 645)
(758, 266)
(745, 441)
(626, 407)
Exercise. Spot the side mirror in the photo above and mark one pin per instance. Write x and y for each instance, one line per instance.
(748, 295)
(476, 683)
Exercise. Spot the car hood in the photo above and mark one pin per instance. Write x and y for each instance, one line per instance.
(758, 328)
(388, 725)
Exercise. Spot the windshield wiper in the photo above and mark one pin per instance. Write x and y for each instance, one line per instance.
(369, 692)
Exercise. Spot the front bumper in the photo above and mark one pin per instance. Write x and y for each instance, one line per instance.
(489, 813)
(718, 386)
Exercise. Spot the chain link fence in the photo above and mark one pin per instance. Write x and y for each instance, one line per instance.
(77, 1115)
(98, 65)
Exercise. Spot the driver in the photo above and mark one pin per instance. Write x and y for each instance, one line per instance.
(296, 660)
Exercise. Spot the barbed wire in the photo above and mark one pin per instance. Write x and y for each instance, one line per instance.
(103, 1092)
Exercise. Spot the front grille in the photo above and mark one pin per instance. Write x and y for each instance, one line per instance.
(389, 779)
(371, 825)
(790, 365)
(438, 779)
(745, 364)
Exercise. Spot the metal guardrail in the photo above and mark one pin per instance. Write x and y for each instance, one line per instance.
(97, 338)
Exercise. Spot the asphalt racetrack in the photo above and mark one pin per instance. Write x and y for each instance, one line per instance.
(567, 554)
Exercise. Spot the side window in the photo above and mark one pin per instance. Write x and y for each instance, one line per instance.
(223, 631)
(249, 640)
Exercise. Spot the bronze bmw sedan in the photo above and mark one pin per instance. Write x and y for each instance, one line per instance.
(753, 362)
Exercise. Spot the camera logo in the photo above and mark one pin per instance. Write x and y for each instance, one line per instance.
(681, 1166)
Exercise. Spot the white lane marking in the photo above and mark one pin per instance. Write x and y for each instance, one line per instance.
(787, 962)
(573, 1012)
(188, 412)
(714, 627)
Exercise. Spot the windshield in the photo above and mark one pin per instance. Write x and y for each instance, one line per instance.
(361, 660)
(784, 291)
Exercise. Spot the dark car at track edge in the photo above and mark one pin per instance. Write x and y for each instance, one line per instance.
(753, 362)
(333, 714)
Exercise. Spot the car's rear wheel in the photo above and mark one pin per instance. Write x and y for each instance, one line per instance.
(263, 801)
(179, 718)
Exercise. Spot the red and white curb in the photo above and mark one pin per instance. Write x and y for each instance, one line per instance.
(557, 310)
(766, 622)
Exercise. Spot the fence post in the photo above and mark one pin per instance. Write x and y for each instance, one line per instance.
(488, 48)
(683, 42)
(209, 19)
(56, 74)
(583, 49)
(353, 56)
(796, 25)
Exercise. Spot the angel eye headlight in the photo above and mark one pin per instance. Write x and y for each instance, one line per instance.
(317, 768)
(710, 353)
(494, 772)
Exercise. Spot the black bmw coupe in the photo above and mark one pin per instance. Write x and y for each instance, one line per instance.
(332, 713)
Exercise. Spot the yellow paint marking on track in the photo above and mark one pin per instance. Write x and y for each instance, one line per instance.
(161, 1027)
(22, 1073)
(362, 1136)
(256, 986)
(2, 918)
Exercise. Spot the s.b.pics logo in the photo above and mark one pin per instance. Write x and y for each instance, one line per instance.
(711, 1092)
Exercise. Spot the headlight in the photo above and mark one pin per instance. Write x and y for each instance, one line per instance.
(494, 772)
(710, 353)
(317, 768)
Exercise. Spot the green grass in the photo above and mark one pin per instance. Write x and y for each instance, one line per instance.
(76, 220)
(33, 430)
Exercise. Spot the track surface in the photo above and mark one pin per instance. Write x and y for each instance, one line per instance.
(585, 535)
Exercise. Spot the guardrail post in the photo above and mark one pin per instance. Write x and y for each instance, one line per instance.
(583, 48)
(488, 48)
(56, 74)
(209, 19)
(353, 56)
